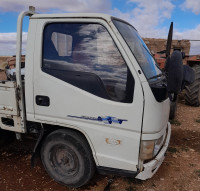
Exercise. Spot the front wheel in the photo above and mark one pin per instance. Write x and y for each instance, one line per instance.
(67, 158)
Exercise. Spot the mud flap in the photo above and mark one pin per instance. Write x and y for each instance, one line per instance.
(35, 150)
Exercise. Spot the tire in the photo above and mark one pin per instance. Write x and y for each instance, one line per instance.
(173, 108)
(6, 137)
(192, 92)
(67, 158)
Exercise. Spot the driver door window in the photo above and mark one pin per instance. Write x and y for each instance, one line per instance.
(85, 56)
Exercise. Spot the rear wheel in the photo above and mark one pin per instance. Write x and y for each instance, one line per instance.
(67, 158)
(192, 92)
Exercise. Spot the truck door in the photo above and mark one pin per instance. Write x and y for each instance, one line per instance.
(83, 79)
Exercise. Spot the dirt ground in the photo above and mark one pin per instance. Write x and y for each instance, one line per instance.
(180, 170)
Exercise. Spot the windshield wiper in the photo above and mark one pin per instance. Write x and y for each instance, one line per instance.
(156, 76)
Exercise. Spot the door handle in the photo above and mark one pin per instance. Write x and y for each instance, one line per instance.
(42, 100)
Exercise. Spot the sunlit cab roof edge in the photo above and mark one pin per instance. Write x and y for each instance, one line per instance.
(79, 15)
(72, 15)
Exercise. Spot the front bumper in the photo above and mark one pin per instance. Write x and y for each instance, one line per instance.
(151, 167)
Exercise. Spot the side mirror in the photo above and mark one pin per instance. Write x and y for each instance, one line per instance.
(174, 70)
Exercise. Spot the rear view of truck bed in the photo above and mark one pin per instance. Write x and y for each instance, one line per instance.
(9, 112)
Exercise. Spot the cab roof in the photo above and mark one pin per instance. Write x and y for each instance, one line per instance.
(72, 15)
(105, 17)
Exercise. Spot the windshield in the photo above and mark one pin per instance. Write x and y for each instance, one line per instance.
(139, 49)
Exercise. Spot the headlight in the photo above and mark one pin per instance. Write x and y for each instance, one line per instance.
(146, 150)
(149, 149)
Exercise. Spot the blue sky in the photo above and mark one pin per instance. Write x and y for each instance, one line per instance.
(150, 17)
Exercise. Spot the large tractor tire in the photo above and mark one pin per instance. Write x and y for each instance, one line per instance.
(192, 92)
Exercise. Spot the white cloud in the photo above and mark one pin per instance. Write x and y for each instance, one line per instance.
(188, 34)
(192, 34)
(56, 5)
(147, 15)
(193, 5)
(8, 40)
(194, 48)
(8, 43)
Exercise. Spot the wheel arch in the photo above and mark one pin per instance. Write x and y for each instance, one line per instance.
(49, 128)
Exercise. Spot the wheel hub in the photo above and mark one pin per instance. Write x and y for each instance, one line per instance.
(64, 160)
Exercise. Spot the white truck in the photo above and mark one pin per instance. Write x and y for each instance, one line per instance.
(93, 92)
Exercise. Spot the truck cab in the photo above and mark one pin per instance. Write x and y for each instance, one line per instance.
(93, 89)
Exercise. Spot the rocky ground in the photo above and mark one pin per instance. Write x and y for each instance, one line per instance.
(180, 170)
